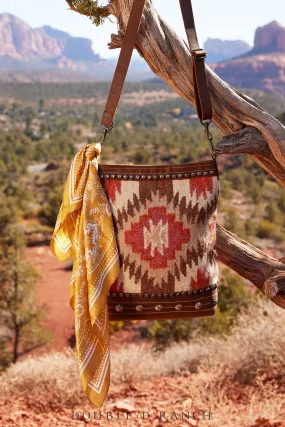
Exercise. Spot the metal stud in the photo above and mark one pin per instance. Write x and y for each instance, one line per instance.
(121, 294)
(159, 295)
(171, 295)
(127, 295)
(198, 305)
(161, 176)
(107, 176)
(125, 176)
(174, 176)
(199, 173)
(119, 308)
(212, 172)
(149, 177)
(131, 176)
(114, 294)
(187, 175)
(133, 295)
(152, 295)
(101, 175)
(179, 307)
(119, 176)
(184, 294)
(167, 176)
(137, 177)
(158, 307)
(193, 174)
(139, 308)
(155, 176)
(146, 295)
(189, 292)
(180, 175)
(205, 173)
(143, 177)
(165, 295)
(113, 176)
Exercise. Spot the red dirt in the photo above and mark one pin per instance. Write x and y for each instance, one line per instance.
(52, 290)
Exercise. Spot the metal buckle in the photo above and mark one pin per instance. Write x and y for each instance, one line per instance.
(106, 129)
(206, 124)
(198, 53)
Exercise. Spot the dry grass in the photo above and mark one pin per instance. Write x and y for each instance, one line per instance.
(240, 376)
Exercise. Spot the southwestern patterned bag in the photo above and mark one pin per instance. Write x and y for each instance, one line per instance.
(164, 216)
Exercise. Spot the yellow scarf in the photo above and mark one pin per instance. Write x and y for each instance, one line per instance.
(84, 230)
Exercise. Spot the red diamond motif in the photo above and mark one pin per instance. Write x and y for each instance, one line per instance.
(157, 236)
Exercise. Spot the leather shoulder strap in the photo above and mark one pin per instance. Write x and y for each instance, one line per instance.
(202, 96)
(123, 62)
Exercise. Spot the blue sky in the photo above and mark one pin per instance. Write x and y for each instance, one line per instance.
(225, 19)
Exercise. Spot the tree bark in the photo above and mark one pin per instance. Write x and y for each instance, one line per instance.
(245, 126)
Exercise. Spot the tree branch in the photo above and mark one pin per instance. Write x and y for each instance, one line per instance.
(264, 271)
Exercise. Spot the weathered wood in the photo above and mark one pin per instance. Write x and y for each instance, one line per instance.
(246, 127)
(264, 271)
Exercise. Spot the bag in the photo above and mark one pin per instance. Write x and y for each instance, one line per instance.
(164, 216)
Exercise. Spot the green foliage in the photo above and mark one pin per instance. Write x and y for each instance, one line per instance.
(18, 312)
(233, 295)
(51, 207)
(90, 8)
(265, 229)
(116, 326)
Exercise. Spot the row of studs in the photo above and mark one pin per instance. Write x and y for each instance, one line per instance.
(195, 292)
(179, 307)
(162, 176)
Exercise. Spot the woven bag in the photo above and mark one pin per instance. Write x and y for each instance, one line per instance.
(164, 216)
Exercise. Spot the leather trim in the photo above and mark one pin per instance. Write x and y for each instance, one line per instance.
(203, 166)
(198, 305)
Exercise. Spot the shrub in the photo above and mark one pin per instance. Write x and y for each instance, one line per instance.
(265, 229)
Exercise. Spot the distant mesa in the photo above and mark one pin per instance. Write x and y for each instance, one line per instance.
(262, 67)
(47, 54)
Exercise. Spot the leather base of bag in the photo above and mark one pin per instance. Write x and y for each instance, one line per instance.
(198, 303)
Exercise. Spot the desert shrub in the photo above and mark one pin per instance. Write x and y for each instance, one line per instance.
(273, 213)
(265, 229)
(116, 325)
(51, 207)
(5, 356)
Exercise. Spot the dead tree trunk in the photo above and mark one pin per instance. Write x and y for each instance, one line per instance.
(245, 126)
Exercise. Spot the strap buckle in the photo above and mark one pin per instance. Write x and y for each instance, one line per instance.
(198, 53)
(106, 129)
(206, 124)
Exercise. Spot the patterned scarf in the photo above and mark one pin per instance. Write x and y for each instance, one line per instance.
(84, 230)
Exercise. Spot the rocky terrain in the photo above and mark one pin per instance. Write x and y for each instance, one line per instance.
(263, 67)
(221, 50)
(48, 55)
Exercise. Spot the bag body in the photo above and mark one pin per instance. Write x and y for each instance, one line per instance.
(164, 216)
(165, 223)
